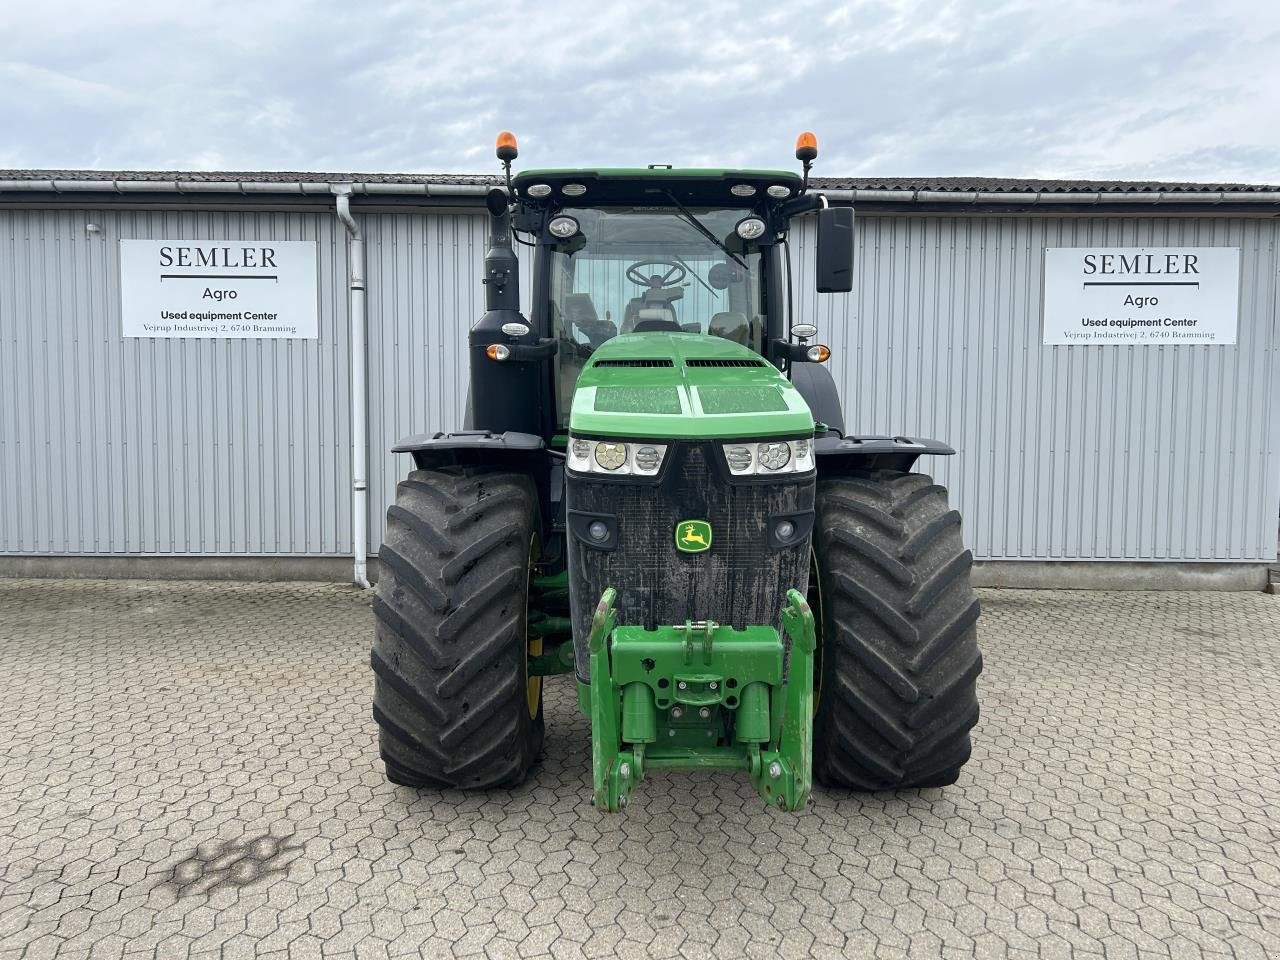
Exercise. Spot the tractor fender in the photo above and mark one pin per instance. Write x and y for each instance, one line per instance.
(473, 447)
(837, 455)
(818, 387)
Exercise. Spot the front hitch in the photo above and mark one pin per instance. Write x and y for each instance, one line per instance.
(702, 695)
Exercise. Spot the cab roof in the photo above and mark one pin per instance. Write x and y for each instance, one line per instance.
(651, 185)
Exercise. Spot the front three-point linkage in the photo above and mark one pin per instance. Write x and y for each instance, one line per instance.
(701, 695)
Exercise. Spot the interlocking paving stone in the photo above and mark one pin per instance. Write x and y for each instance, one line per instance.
(190, 769)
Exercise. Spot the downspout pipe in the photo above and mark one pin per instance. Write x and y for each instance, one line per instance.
(359, 389)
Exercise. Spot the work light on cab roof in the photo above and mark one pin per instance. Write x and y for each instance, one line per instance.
(653, 488)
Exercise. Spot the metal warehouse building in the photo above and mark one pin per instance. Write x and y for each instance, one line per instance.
(1090, 452)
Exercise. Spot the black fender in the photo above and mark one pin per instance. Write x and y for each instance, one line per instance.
(845, 454)
(818, 387)
(475, 447)
(523, 452)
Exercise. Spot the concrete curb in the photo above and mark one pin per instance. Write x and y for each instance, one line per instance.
(1119, 575)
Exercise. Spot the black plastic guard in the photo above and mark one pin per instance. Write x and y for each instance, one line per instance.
(469, 446)
(875, 453)
(816, 385)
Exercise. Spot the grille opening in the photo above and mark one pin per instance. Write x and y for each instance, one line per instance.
(655, 362)
(718, 362)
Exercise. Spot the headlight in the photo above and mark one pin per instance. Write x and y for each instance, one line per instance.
(539, 190)
(615, 457)
(563, 227)
(773, 456)
(610, 455)
(751, 228)
(769, 457)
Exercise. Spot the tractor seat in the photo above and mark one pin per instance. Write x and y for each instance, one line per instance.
(641, 311)
(657, 326)
(580, 312)
(731, 326)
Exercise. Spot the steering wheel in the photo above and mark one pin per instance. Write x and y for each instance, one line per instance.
(672, 277)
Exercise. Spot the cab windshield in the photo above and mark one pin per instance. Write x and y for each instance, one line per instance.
(651, 269)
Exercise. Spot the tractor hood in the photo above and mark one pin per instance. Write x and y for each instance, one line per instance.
(684, 386)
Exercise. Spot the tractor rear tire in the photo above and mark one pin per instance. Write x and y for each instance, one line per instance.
(452, 698)
(899, 654)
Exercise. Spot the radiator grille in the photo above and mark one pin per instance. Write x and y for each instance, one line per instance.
(740, 581)
(721, 362)
(639, 362)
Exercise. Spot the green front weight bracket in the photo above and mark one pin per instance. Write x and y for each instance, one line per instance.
(701, 695)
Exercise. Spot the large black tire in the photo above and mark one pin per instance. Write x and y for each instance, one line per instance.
(899, 648)
(451, 697)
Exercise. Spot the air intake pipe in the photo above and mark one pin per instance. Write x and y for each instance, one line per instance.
(504, 351)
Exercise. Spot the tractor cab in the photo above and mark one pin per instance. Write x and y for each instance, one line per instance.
(654, 250)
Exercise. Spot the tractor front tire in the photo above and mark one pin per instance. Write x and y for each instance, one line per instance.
(899, 649)
(452, 697)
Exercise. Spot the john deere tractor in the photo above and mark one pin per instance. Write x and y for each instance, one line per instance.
(655, 491)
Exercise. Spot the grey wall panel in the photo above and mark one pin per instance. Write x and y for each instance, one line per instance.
(114, 445)
(1065, 452)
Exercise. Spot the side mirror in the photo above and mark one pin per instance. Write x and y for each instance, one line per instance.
(835, 250)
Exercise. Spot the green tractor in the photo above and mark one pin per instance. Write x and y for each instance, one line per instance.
(654, 490)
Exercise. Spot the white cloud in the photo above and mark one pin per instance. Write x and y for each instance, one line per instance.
(1145, 89)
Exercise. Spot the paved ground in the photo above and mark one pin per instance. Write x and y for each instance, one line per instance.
(189, 769)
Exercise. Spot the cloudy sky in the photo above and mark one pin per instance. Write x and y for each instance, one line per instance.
(1035, 88)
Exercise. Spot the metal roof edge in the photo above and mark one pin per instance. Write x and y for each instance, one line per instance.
(1050, 197)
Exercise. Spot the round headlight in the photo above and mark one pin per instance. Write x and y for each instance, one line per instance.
(784, 530)
(743, 190)
(611, 455)
(539, 190)
(581, 449)
(774, 456)
(647, 458)
(739, 458)
(598, 531)
(563, 227)
(574, 189)
(779, 192)
(751, 228)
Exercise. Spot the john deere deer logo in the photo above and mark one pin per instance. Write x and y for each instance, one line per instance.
(693, 536)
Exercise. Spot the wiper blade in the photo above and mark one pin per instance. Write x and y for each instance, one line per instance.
(702, 229)
(693, 273)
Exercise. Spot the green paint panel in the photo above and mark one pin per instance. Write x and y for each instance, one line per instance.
(709, 402)
(664, 400)
(746, 399)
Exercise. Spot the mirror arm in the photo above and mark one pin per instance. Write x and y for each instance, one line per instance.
(804, 203)
(794, 352)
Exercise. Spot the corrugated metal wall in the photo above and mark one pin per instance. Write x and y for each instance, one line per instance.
(242, 447)
(1064, 452)
(113, 445)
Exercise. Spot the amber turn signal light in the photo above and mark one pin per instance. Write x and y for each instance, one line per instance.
(497, 351)
(806, 147)
(819, 353)
(507, 150)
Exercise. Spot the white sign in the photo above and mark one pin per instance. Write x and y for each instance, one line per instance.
(1096, 295)
(218, 288)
